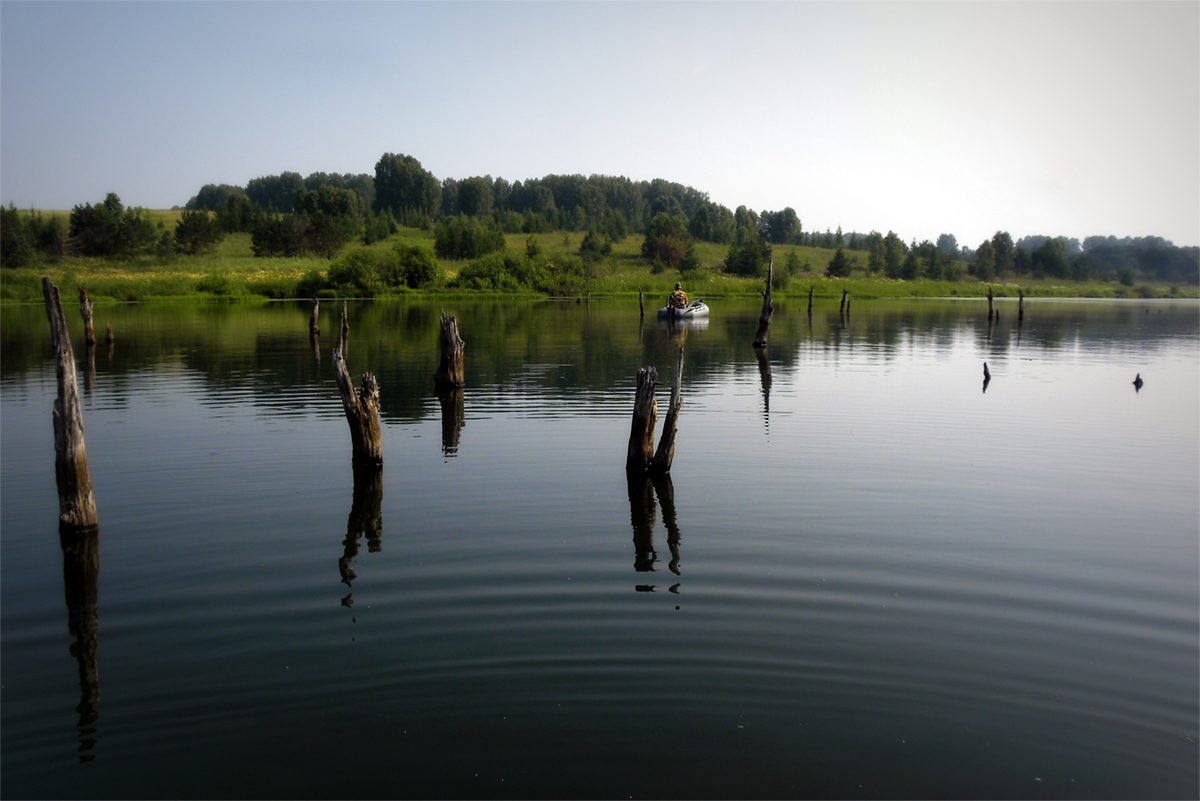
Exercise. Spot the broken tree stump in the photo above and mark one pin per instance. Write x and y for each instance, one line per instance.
(810, 296)
(641, 457)
(991, 311)
(345, 335)
(645, 414)
(1020, 305)
(313, 328)
(108, 336)
(768, 308)
(362, 411)
(842, 305)
(85, 309)
(450, 370)
(641, 304)
(76, 506)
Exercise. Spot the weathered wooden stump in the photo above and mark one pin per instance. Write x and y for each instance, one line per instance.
(450, 370)
(768, 308)
(109, 339)
(313, 327)
(640, 455)
(76, 506)
(842, 305)
(987, 377)
(991, 310)
(641, 304)
(645, 414)
(362, 411)
(1020, 305)
(810, 297)
(85, 309)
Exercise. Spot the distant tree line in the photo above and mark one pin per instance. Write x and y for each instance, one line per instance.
(289, 215)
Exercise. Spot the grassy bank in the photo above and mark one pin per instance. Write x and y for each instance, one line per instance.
(231, 272)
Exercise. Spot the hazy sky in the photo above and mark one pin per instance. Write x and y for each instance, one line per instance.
(1070, 119)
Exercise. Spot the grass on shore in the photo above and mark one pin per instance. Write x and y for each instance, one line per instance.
(231, 272)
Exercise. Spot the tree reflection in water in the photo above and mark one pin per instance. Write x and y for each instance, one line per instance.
(81, 569)
(643, 490)
(366, 518)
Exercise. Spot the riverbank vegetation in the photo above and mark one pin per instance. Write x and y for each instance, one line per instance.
(402, 231)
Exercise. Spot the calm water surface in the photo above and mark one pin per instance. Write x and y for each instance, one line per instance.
(868, 574)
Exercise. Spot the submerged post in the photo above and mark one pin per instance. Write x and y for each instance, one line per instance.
(76, 506)
(450, 371)
(991, 312)
(362, 411)
(810, 294)
(641, 304)
(842, 305)
(768, 308)
(85, 309)
(1020, 305)
(313, 327)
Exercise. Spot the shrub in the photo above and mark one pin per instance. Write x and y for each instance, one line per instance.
(216, 284)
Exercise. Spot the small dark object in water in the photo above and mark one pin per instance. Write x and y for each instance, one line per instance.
(1137, 382)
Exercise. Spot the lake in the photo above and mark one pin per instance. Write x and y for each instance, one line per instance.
(867, 574)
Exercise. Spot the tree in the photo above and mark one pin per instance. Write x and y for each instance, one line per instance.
(984, 266)
(1002, 249)
(948, 244)
(475, 198)
(329, 218)
(405, 188)
(417, 267)
(893, 255)
(197, 232)
(875, 252)
(15, 247)
(839, 265)
(1051, 259)
(748, 254)
(275, 193)
(667, 241)
(780, 227)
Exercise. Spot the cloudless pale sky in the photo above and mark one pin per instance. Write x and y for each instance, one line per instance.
(1056, 118)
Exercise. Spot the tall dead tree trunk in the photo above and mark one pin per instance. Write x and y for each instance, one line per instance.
(85, 309)
(76, 506)
(362, 411)
(768, 308)
(450, 370)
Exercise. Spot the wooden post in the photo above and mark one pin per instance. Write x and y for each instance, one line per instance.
(85, 309)
(450, 371)
(645, 414)
(641, 304)
(991, 312)
(842, 305)
(768, 308)
(1021, 305)
(345, 327)
(810, 296)
(76, 506)
(362, 410)
(108, 336)
(666, 442)
(313, 328)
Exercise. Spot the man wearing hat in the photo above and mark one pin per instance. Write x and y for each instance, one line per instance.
(678, 298)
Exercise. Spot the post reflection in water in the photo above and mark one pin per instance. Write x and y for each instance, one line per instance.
(451, 399)
(764, 372)
(81, 568)
(643, 489)
(366, 518)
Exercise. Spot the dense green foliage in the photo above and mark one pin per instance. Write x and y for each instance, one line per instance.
(472, 220)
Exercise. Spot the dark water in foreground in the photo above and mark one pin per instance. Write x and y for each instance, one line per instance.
(865, 577)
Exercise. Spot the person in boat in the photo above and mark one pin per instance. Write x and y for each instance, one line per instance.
(678, 298)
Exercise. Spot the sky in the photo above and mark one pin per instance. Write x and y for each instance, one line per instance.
(1036, 118)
